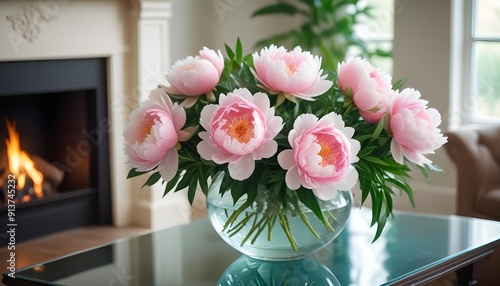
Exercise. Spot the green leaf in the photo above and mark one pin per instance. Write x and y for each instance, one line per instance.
(202, 179)
(229, 52)
(278, 8)
(383, 53)
(277, 187)
(308, 198)
(172, 183)
(376, 205)
(403, 186)
(380, 227)
(134, 173)
(226, 183)
(282, 195)
(366, 151)
(239, 50)
(388, 193)
(434, 168)
(425, 173)
(186, 178)
(378, 129)
(155, 177)
(375, 160)
(238, 189)
(192, 191)
(364, 192)
(248, 59)
(363, 138)
(397, 85)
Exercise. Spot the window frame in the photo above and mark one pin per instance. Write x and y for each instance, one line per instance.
(469, 68)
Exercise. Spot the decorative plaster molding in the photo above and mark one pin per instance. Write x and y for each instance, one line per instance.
(34, 15)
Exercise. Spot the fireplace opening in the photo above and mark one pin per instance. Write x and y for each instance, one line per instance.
(52, 132)
(53, 118)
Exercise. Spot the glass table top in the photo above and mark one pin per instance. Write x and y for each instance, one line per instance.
(193, 254)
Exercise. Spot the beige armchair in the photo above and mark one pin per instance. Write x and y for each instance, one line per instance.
(475, 150)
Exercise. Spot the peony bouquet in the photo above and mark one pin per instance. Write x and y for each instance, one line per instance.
(276, 119)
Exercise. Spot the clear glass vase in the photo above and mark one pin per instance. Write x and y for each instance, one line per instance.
(267, 230)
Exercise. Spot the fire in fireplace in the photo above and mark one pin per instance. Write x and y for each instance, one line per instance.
(54, 138)
(36, 177)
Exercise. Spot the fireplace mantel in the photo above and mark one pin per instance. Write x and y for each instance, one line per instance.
(134, 38)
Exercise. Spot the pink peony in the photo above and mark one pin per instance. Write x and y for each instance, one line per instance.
(295, 73)
(414, 127)
(369, 87)
(195, 76)
(321, 155)
(152, 134)
(240, 130)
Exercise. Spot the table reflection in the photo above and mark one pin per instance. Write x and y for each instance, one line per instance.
(249, 271)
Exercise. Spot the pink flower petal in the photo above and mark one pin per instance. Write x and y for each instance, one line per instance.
(168, 165)
(242, 169)
(295, 73)
(371, 88)
(286, 159)
(414, 128)
(152, 134)
(195, 76)
(292, 178)
(325, 193)
(240, 127)
(321, 155)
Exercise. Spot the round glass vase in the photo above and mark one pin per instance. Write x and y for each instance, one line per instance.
(266, 230)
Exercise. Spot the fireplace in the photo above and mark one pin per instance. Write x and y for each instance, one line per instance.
(58, 110)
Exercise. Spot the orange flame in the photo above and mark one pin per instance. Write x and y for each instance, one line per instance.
(20, 163)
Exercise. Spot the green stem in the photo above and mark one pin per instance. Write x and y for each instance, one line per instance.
(332, 216)
(308, 224)
(305, 220)
(286, 228)
(270, 228)
(261, 228)
(326, 223)
(235, 215)
(235, 229)
(255, 226)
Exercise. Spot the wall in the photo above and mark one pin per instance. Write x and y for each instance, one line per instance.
(422, 43)
(198, 23)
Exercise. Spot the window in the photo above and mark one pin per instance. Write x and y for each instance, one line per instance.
(378, 31)
(481, 70)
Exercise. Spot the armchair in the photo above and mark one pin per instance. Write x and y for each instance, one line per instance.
(475, 150)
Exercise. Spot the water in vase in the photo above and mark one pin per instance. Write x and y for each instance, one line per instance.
(259, 232)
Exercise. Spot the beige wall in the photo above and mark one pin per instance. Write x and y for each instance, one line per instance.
(422, 43)
(198, 23)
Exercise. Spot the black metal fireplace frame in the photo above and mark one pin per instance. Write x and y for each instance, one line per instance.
(93, 205)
